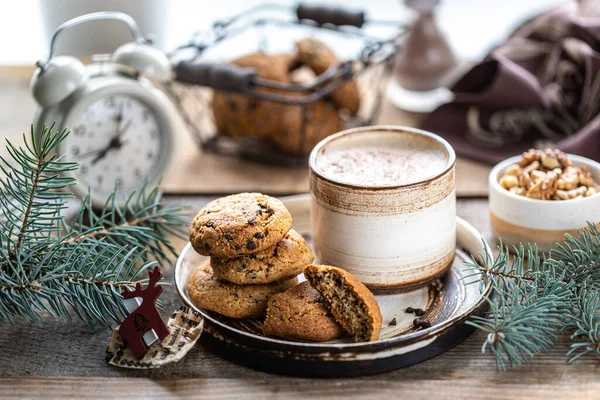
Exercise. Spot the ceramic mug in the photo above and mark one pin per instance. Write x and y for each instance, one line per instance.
(388, 236)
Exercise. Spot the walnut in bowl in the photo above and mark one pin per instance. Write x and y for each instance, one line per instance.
(548, 175)
(541, 195)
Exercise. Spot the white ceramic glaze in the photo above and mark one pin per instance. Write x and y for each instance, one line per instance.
(517, 219)
(387, 236)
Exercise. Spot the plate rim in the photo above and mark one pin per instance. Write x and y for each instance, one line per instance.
(423, 334)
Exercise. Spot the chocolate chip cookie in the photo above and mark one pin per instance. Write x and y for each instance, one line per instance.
(319, 58)
(351, 303)
(229, 299)
(240, 224)
(301, 313)
(284, 260)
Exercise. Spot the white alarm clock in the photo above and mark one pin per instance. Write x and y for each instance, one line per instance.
(121, 125)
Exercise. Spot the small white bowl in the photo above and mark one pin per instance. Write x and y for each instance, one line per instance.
(517, 219)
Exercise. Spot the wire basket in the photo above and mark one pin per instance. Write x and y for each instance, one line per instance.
(203, 69)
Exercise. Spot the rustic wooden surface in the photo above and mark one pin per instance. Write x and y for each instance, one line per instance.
(61, 359)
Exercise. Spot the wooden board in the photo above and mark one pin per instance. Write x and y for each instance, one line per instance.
(61, 359)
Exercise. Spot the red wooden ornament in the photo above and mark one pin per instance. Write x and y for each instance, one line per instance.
(145, 317)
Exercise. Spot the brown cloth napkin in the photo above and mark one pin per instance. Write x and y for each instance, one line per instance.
(541, 88)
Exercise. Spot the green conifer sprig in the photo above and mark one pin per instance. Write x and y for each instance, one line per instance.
(50, 265)
(536, 299)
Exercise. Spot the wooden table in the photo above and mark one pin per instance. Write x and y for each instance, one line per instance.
(62, 359)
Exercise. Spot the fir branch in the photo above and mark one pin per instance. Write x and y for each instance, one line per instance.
(524, 266)
(525, 319)
(534, 300)
(586, 332)
(47, 265)
(579, 257)
(142, 222)
(28, 185)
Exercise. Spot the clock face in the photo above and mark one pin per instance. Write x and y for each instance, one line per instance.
(117, 141)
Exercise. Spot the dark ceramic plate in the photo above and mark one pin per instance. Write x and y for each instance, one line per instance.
(447, 303)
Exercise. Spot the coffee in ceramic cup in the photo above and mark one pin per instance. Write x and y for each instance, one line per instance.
(384, 205)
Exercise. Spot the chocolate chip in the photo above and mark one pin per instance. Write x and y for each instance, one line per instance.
(251, 245)
(210, 223)
(269, 265)
(421, 323)
(419, 312)
(393, 322)
(228, 236)
(237, 247)
(269, 211)
(252, 220)
(409, 310)
(207, 246)
(259, 235)
(261, 205)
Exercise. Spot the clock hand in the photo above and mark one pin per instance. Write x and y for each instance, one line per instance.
(101, 154)
(115, 143)
(89, 153)
(119, 116)
(123, 129)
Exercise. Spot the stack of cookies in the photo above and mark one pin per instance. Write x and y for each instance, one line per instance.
(255, 260)
(254, 254)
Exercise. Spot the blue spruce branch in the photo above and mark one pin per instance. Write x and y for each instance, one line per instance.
(536, 299)
(48, 265)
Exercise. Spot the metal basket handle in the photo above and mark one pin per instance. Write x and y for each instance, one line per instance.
(330, 15)
(223, 77)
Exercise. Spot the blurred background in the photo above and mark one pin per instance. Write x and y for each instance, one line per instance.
(422, 63)
(472, 27)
